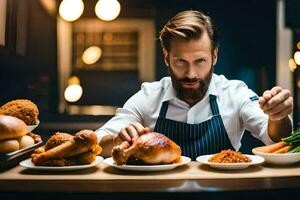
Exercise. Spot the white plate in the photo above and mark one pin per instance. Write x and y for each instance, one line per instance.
(184, 160)
(28, 164)
(231, 166)
(279, 159)
(32, 127)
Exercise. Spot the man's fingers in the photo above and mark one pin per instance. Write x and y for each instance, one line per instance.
(277, 99)
(262, 101)
(267, 95)
(275, 90)
(131, 130)
(281, 115)
(280, 107)
(139, 127)
(124, 135)
(277, 103)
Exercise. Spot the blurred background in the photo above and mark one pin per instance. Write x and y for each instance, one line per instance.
(79, 60)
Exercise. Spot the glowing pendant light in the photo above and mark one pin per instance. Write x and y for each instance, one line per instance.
(297, 57)
(91, 55)
(70, 10)
(74, 90)
(107, 10)
(73, 93)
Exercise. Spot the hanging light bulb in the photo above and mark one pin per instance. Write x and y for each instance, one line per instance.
(108, 10)
(91, 55)
(70, 10)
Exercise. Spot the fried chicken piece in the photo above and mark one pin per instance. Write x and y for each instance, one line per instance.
(57, 139)
(39, 150)
(23, 109)
(80, 149)
(82, 159)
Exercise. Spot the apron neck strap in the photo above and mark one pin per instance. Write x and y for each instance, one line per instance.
(213, 104)
(163, 109)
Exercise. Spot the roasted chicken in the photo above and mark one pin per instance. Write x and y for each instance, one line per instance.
(150, 148)
(63, 149)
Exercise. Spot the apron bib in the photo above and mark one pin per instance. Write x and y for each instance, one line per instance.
(207, 137)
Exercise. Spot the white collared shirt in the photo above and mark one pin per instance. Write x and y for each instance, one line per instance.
(238, 107)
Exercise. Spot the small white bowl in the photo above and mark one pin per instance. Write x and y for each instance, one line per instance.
(279, 159)
(32, 127)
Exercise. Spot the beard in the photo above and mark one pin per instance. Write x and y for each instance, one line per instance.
(191, 95)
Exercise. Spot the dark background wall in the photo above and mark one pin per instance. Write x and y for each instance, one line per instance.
(28, 61)
(247, 49)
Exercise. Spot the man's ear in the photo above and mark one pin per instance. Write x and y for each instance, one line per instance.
(166, 56)
(215, 56)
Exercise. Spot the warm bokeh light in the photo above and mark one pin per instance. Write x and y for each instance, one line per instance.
(298, 45)
(292, 65)
(73, 80)
(297, 57)
(91, 55)
(73, 93)
(50, 6)
(107, 10)
(298, 83)
(70, 10)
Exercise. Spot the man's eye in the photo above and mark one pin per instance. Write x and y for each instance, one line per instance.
(179, 61)
(202, 60)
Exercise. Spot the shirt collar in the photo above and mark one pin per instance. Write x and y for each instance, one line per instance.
(170, 93)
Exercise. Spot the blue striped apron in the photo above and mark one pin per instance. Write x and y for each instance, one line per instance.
(207, 137)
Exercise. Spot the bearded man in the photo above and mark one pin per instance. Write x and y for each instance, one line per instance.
(202, 112)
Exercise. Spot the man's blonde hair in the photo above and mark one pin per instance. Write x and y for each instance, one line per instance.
(189, 24)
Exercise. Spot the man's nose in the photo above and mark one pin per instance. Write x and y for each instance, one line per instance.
(191, 72)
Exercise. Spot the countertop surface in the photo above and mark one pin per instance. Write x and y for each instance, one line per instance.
(191, 177)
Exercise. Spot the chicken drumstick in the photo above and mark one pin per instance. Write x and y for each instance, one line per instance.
(83, 141)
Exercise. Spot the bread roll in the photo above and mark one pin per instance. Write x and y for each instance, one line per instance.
(11, 127)
(7, 146)
(25, 141)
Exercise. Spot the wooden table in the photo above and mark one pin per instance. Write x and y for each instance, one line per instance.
(193, 179)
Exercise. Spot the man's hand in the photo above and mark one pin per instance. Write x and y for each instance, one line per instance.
(130, 133)
(277, 103)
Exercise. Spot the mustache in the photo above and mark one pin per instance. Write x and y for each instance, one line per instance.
(189, 80)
